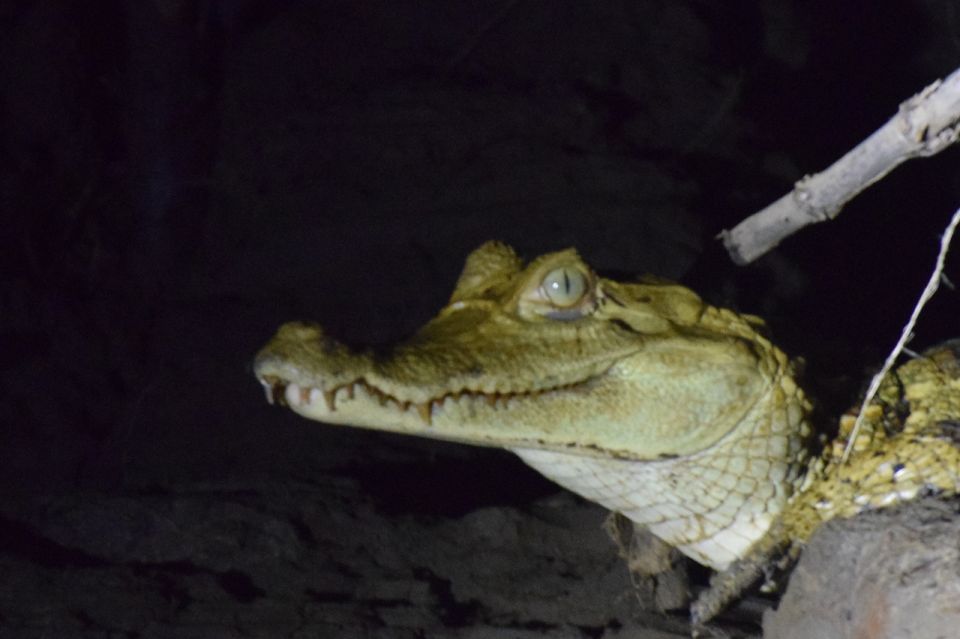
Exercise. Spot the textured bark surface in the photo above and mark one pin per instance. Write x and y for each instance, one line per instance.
(885, 574)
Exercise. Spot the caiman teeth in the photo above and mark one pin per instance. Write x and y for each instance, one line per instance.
(292, 394)
(273, 389)
(330, 397)
(426, 412)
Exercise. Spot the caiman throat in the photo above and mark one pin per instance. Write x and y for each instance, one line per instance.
(637, 396)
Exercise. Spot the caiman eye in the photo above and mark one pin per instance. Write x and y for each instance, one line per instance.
(564, 286)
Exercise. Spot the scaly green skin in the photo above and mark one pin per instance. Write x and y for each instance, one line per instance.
(640, 397)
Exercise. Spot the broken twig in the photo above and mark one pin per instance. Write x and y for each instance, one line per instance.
(925, 124)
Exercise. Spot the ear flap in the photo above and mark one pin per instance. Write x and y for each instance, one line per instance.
(491, 264)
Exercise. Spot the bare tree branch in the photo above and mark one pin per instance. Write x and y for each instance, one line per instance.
(932, 284)
(925, 124)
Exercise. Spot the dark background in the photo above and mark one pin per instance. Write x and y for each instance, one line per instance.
(177, 178)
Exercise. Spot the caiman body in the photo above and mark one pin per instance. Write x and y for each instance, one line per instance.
(638, 396)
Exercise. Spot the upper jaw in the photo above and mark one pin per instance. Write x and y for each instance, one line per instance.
(315, 393)
(444, 360)
(427, 388)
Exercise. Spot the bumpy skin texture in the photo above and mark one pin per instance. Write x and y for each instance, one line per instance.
(907, 447)
(639, 396)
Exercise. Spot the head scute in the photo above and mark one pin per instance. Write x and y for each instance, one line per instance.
(488, 268)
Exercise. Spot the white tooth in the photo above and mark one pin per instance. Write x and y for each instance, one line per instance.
(315, 395)
(292, 394)
(267, 390)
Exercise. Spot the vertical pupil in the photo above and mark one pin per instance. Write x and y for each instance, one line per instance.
(564, 285)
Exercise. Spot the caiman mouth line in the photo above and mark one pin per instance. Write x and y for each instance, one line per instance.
(292, 394)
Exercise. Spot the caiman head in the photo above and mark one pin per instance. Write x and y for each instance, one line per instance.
(636, 395)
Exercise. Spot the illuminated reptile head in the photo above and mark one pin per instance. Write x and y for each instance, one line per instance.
(581, 376)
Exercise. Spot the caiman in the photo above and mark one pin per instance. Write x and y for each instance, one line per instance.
(681, 416)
